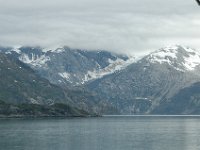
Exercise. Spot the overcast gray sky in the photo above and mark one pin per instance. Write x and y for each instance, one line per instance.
(130, 26)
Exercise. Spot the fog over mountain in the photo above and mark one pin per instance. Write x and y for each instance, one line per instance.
(108, 57)
(129, 26)
(108, 83)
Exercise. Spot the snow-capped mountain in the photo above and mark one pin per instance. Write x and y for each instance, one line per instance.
(20, 84)
(157, 77)
(118, 82)
(66, 66)
(180, 58)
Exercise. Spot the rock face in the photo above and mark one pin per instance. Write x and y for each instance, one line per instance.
(20, 87)
(157, 77)
(107, 83)
(186, 101)
(20, 84)
(69, 67)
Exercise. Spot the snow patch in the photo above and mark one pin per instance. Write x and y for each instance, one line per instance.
(65, 75)
(34, 60)
(164, 55)
(16, 49)
(187, 59)
(33, 101)
(53, 50)
(59, 50)
(192, 61)
(115, 65)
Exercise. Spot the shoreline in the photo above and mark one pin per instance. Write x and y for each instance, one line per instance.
(150, 115)
(45, 116)
(84, 116)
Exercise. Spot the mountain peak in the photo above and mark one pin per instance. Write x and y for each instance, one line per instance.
(180, 57)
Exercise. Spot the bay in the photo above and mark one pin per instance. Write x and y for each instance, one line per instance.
(103, 133)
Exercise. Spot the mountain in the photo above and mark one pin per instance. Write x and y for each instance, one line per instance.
(69, 67)
(20, 86)
(186, 101)
(142, 86)
(108, 83)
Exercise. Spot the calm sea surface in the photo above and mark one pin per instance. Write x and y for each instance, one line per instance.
(105, 133)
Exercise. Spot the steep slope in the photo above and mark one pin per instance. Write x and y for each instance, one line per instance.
(179, 57)
(36, 110)
(69, 67)
(20, 85)
(157, 77)
(186, 101)
(103, 82)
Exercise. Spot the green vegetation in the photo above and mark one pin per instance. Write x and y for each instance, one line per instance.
(35, 110)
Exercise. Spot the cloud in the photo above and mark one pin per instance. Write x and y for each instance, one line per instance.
(129, 26)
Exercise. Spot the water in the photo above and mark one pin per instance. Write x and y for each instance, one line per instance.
(106, 133)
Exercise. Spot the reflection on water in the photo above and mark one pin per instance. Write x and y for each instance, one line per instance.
(106, 133)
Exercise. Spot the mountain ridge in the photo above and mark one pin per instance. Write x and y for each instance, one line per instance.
(128, 86)
(23, 93)
(141, 87)
(69, 66)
